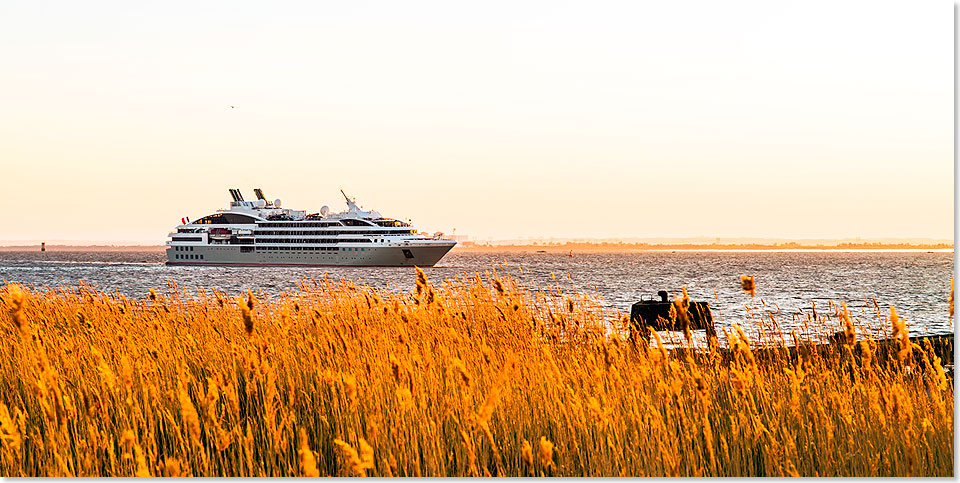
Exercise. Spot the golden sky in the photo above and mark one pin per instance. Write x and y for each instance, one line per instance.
(811, 119)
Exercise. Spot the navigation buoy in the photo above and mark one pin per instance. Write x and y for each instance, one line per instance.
(43, 246)
(570, 254)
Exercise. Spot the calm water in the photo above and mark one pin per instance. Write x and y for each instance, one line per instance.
(917, 283)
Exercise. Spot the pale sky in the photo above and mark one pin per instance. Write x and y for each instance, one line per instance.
(812, 119)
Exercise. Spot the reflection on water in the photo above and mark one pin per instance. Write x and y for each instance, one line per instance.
(917, 283)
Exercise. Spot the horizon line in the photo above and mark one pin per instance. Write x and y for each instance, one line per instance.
(548, 241)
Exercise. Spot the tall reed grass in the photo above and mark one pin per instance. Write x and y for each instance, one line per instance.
(471, 377)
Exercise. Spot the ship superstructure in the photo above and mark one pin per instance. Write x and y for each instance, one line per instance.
(263, 233)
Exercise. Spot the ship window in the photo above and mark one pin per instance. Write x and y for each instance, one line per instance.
(226, 219)
(351, 222)
(391, 223)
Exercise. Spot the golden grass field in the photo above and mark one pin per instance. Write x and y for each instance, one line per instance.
(473, 377)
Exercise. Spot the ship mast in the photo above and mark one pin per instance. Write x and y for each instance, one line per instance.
(351, 204)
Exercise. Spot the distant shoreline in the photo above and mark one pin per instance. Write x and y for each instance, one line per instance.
(640, 248)
(646, 247)
(84, 248)
(566, 248)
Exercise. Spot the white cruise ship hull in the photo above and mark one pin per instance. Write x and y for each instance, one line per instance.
(261, 233)
(423, 254)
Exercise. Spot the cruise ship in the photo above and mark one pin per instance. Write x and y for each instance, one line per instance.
(262, 233)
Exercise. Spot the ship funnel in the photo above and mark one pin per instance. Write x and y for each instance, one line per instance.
(233, 194)
(259, 193)
(239, 195)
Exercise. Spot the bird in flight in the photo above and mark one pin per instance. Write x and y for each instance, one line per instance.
(233, 107)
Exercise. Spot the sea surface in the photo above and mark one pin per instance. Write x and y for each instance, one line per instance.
(790, 285)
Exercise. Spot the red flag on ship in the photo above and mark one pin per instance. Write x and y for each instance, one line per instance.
(183, 221)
